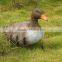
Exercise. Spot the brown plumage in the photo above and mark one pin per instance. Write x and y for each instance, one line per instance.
(26, 33)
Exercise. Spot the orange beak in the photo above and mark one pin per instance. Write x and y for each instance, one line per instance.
(44, 17)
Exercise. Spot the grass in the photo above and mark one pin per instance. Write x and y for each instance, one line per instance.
(52, 41)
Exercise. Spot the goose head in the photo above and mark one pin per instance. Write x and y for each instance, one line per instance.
(38, 14)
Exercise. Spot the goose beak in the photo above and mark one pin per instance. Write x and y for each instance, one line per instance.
(44, 17)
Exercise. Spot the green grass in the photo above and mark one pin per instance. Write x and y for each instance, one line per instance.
(52, 41)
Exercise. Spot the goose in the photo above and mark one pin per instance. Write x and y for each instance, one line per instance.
(27, 33)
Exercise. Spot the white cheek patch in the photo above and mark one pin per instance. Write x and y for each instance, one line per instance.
(34, 36)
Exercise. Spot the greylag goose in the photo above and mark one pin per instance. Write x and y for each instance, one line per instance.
(26, 33)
